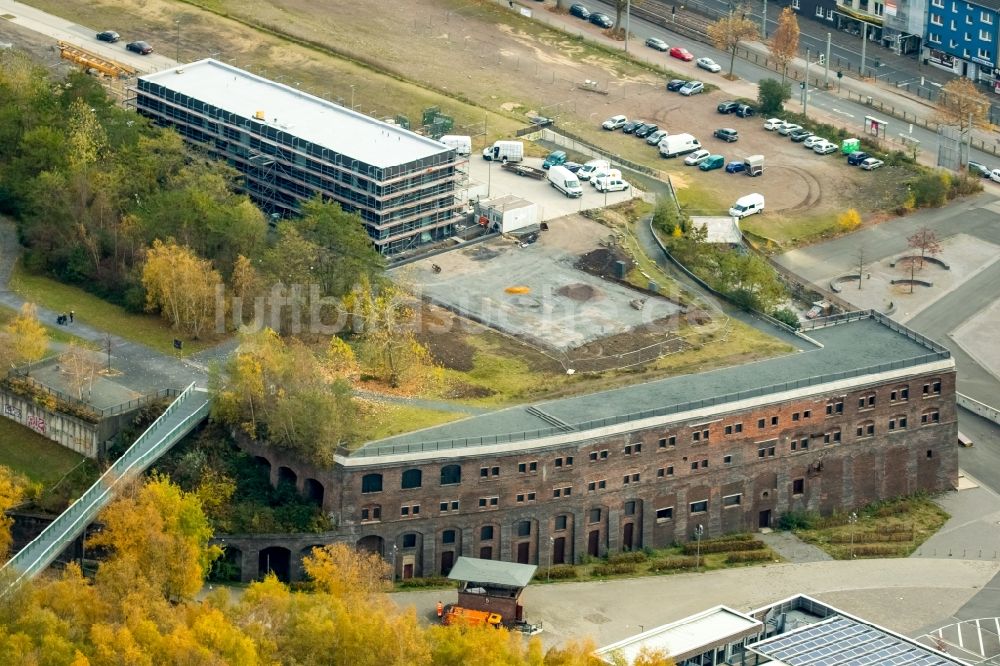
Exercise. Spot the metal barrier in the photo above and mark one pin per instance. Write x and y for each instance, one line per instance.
(190, 407)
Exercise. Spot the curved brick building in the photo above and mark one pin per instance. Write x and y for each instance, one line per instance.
(866, 411)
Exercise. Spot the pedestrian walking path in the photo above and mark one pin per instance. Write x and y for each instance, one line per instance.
(791, 548)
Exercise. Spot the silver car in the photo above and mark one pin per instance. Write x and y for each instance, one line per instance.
(692, 88)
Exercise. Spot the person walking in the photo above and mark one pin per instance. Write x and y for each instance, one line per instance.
(71, 315)
(440, 610)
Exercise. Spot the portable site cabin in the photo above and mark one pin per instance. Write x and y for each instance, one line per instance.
(491, 585)
(506, 213)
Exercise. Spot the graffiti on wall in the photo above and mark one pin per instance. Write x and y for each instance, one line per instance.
(37, 423)
(12, 411)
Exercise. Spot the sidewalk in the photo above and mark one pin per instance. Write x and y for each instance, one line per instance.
(972, 532)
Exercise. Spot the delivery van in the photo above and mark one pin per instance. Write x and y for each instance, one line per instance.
(748, 205)
(587, 170)
(461, 144)
(565, 181)
(678, 144)
(604, 172)
(504, 151)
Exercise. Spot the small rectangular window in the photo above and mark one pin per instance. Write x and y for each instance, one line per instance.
(482, 502)
(602, 484)
(561, 522)
(495, 471)
(531, 497)
(670, 470)
(696, 436)
(556, 492)
(592, 486)
(660, 473)
(699, 507)
(732, 500)
(416, 509)
(630, 508)
(665, 514)
(494, 501)
(795, 416)
(443, 506)
(567, 491)
(628, 450)
(593, 456)
(729, 430)
(726, 460)
(694, 465)
(774, 420)
(533, 466)
(739, 427)
(806, 414)
(604, 454)
(760, 424)
(594, 516)
(484, 472)
(522, 467)
(569, 460)
(704, 463)
(454, 505)
(558, 462)
(520, 497)
(798, 486)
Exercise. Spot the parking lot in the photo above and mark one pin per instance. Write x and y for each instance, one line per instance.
(551, 202)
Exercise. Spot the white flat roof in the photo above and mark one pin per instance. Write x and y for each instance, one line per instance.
(719, 229)
(711, 627)
(306, 116)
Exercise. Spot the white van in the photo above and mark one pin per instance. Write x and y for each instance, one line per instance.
(678, 144)
(610, 184)
(604, 172)
(504, 151)
(590, 167)
(565, 181)
(748, 205)
(461, 144)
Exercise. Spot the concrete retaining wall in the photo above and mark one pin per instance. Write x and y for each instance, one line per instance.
(73, 433)
(976, 407)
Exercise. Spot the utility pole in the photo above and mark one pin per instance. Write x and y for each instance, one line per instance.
(107, 348)
(177, 42)
(805, 86)
(628, 12)
(826, 73)
(698, 531)
(864, 46)
(968, 145)
(763, 22)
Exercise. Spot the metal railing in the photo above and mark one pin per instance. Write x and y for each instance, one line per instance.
(190, 407)
(581, 427)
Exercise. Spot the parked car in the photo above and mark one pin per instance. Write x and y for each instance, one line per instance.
(871, 164)
(798, 136)
(108, 36)
(728, 106)
(657, 43)
(788, 128)
(736, 166)
(646, 130)
(676, 84)
(772, 124)
(692, 88)
(811, 142)
(614, 122)
(977, 169)
(632, 126)
(712, 162)
(727, 134)
(572, 166)
(601, 20)
(709, 64)
(656, 137)
(825, 148)
(611, 184)
(681, 54)
(995, 175)
(142, 48)
(745, 111)
(697, 157)
(857, 157)
(579, 11)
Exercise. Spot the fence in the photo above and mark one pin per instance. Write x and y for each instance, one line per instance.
(37, 555)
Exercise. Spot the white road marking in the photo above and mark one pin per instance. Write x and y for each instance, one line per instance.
(843, 113)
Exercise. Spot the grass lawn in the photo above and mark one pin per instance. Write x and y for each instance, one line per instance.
(792, 230)
(93, 311)
(387, 420)
(56, 333)
(28, 453)
(885, 529)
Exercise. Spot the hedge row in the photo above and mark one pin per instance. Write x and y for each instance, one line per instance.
(634, 556)
(673, 564)
(614, 569)
(558, 572)
(723, 546)
(749, 556)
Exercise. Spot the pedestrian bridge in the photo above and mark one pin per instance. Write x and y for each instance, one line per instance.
(180, 418)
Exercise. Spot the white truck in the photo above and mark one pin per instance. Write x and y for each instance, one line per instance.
(462, 144)
(565, 181)
(678, 144)
(504, 151)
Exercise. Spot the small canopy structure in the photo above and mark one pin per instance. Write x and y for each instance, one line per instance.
(492, 585)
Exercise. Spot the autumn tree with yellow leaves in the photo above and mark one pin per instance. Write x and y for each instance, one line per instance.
(27, 339)
(181, 286)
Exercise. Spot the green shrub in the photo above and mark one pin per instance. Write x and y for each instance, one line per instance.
(964, 185)
(614, 569)
(749, 556)
(673, 564)
(930, 190)
(634, 557)
(723, 546)
(432, 581)
(787, 317)
(876, 550)
(558, 572)
(798, 520)
(772, 95)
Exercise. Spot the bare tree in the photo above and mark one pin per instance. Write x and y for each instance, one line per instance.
(730, 31)
(926, 241)
(620, 7)
(859, 255)
(785, 40)
(964, 106)
(80, 366)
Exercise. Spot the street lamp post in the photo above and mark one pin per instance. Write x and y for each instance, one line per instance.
(394, 549)
(177, 41)
(852, 519)
(698, 531)
(552, 546)
(352, 97)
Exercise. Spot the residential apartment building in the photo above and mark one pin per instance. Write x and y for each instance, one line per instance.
(290, 146)
(866, 411)
(962, 37)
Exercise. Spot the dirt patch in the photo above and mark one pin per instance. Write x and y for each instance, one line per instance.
(578, 292)
(602, 261)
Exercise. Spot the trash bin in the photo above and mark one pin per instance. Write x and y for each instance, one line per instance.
(869, 102)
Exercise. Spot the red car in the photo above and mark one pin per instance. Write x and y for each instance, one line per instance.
(681, 54)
